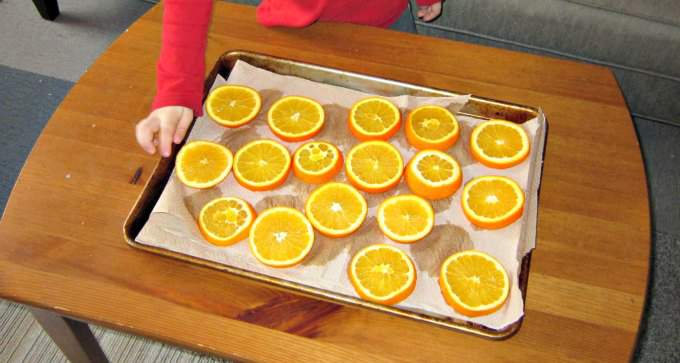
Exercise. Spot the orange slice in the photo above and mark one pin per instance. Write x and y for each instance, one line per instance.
(262, 165)
(225, 221)
(433, 174)
(474, 283)
(492, 201)
(295, 118)
(405, 218)
(203, 164)
(233, 106)
(431, 127)
(374, 118)
(281, 237)
(383, 274)
(336, 209)
(499, 144)
(317, 162)
(374, 166)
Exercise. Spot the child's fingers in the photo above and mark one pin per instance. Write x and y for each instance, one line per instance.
(183, 125)
(145, 131)
(167, 131)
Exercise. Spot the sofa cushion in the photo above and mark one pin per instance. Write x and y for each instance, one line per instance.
(662, 11)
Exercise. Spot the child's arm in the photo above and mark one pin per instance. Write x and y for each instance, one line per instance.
(429, 9)
(179, 75)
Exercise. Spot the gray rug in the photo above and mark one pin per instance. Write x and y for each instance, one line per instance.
(660, 328)
(27, 100)
(661, 150)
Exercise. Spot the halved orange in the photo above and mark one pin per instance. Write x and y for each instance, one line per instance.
(233, 106)
(492, 201)
(295, 118)
(405, 218)
(383, 274)
(374, 118)
(433, 174)
(374, 166)
(317, 162)
(336, 209)
(262, 165)
(203, 164)
(432, 127)
(225, 221)
(474, 283)
(281, 237)
(499, 144)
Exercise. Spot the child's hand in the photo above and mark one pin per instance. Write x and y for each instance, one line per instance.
(162, 127)
(430, 12)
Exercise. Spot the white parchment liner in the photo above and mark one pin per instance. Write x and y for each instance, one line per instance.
(172, 225)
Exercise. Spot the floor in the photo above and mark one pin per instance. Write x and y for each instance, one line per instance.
(41, 60)
(23, 340)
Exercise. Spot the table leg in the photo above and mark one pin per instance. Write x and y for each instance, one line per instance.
(74, 338)
(48, 9)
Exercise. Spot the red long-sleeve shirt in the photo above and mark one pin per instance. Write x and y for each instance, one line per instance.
(181, 66)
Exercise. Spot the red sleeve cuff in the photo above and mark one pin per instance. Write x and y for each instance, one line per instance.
(189, 100)
(427, 2)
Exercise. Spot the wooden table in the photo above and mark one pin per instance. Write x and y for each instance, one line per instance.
(62, 249)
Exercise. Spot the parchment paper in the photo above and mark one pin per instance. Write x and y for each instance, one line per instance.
(172, 225)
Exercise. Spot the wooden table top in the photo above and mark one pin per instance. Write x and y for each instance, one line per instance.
(62, 246)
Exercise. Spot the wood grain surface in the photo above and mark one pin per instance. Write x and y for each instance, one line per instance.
(62, 246)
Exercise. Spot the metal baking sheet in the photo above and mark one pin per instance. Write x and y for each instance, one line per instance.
(476, 107)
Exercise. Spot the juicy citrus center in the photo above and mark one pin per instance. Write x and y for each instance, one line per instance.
(475, 280)
(375, 164)
(433, 123)
(492, 198)
(232, 104)
(203, 163)
(382, 271)
(375, 116)
(316, 156)
(224, 218)
(500, 141)
(435, 168)
(406, 217)
(295, 116)
(262, 162)
(337, 208)
(382, 268)
(280, 236)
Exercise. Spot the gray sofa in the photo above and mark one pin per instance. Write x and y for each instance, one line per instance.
(638, 39)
